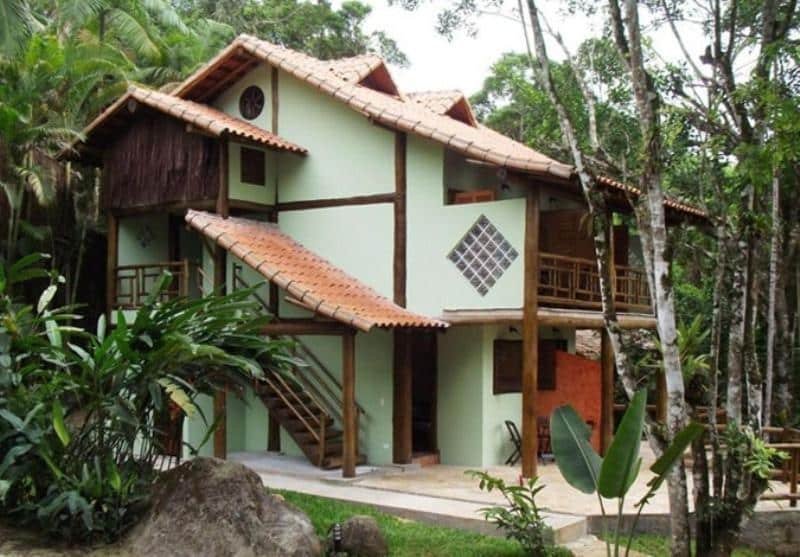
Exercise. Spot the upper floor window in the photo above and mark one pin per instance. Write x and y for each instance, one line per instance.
(253, 166)
(251, 102)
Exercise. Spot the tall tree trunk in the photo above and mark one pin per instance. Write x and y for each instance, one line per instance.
(648, 109)
(775, 253)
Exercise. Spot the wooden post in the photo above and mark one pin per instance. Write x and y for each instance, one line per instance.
(220, 403)
(112, 235)
(349, 413)
(402, 408)
(223, 201)
(795, 469)
(606, 391)
(400, 142)
(530, 337)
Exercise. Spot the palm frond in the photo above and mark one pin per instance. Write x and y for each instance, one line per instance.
(131, 32)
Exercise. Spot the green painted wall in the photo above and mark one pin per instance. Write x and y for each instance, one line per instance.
(460, 394)
(347, 155)
(142, 239)
(228, 101)
(357, 239)
(435, 228)
(194, 428)
(237, 189)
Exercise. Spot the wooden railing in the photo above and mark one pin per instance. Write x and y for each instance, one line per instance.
(315, 378)
(573, 282)
(133, 283)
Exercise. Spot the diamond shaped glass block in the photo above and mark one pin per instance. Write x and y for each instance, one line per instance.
(483, 255)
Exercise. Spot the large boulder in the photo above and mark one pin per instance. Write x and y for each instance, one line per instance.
(218, 508)
(361, 537)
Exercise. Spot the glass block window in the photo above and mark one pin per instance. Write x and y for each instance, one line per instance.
(483, 255)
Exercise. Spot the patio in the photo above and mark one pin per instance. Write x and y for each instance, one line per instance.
(451, 483)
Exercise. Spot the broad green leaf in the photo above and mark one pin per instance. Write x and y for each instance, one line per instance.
(113, 476)
(46, 298)
(5, 485)
(575, 456)
(59, 425)
(179, 397)
(683, 439)
(11, 456)
(621, 462)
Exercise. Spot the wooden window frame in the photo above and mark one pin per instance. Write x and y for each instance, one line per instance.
(505, 382)
(249, 172)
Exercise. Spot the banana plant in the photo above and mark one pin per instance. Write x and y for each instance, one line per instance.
(612, 476)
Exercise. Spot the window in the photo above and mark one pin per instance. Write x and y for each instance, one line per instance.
(483, 255)
(508, 365)
(253, 166)
(251, 103)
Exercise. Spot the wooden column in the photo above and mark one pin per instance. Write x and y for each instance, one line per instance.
(402, 392)
(349, 413)
(220, 397)
(401, 407)
(223, 200)
(606, 391)
(530, 337)
(112, 235)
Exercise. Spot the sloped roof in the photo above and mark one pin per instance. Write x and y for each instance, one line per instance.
(204, 118)
(309, 279)
(670, 202)
(451, 103)
(390, 110)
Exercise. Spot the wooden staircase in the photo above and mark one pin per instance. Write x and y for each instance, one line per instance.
(304, 418)
(306, 400)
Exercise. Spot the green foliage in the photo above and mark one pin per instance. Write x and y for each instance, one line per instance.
(578, 462)
(520, 518)
(77, 428)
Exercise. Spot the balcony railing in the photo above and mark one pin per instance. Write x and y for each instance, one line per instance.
(572, 282)
(133, 283)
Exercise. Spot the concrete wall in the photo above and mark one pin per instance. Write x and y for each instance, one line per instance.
(142, 239)
(471, 418)
(347, 154)
(358, 239)
(435, 228)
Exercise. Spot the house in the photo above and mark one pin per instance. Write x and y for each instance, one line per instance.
(433, 271)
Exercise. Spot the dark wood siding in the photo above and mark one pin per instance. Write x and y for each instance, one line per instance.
(155, 161)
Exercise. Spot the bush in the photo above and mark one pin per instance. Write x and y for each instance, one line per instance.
(521, 519)
(77, 432)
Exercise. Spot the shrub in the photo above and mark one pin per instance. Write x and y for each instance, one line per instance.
(521, 519)
(77, 429)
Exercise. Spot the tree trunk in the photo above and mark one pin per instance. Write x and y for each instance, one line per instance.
(774, 264)
(648, 109)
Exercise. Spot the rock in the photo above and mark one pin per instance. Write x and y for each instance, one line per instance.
(218, 508)
(361, 537)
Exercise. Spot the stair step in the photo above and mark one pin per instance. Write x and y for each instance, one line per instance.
(307, 437)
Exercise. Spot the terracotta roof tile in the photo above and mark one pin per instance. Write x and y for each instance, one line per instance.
(206, 118)
(310, 279)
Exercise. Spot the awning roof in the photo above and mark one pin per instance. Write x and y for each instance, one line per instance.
(202, 117)
(310, 280)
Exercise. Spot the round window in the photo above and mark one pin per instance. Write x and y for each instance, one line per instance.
(251, 103)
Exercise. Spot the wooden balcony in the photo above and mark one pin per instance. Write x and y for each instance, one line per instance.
(572, 282)
(133, 283)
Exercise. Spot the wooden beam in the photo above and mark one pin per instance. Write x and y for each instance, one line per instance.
(112, 235)
(606, 392)
(548, 317)
(274, 98)
(530, 337)
(337, 202)
(176, 207)
(305, 327)
(400, 145)
(220, 396)
(223, 204)
(349, 412)
(273, 434)
(402, 399)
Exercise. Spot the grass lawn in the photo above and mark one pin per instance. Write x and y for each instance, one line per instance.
(658, 546)
(406, 537)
